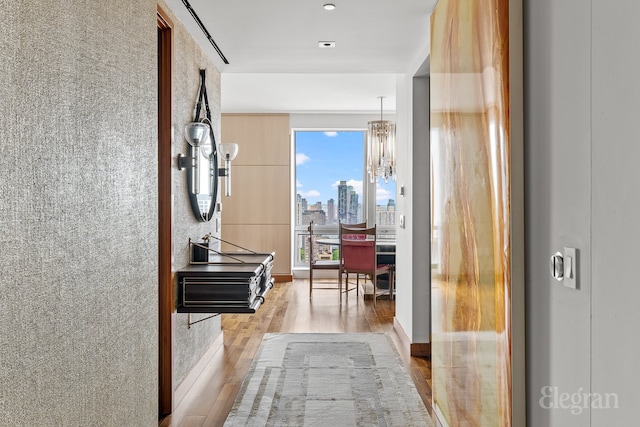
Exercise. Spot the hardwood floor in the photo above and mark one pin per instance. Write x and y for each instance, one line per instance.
(288, 309)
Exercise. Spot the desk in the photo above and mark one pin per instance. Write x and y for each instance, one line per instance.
(226, 283)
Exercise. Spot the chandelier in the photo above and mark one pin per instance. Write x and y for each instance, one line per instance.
(381, 147)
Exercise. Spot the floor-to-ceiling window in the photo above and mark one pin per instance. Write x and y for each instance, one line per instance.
(331, 187)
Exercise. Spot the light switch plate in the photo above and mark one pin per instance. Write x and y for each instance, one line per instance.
(570, 268)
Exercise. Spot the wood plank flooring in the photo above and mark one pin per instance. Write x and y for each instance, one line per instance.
(288, 309)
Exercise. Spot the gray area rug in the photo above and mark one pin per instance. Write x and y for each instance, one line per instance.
(328, 380)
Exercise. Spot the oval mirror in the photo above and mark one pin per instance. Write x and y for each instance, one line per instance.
(202, 180)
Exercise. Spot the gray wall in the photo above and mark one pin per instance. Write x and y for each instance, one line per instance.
(615, 208)
(558, 157)
(581, 104)
(78, 320)
(413, 285)
(421, 208)
(190, 344)
(78, 222)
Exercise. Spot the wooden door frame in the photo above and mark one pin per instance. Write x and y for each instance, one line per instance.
(165, 219)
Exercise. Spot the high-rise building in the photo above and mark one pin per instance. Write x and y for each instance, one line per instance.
(317, 216)
(298, 209)
(331, 211)
(386, 215)
(342, 201)
(353, 206)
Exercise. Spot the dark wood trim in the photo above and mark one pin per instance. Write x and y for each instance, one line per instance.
(166, 304)
(415, 349)
(420, 349)
(282, 278)
(164, 22)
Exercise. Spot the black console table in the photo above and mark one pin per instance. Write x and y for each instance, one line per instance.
(234, 282)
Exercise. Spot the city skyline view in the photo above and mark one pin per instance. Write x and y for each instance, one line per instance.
(324, 158)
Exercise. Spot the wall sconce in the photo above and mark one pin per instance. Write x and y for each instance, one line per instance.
(229, 151)
(196, 134)
(381, 148)
(203, 179)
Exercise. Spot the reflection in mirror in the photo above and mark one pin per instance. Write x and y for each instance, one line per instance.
(203, 180)
(208, 179)
(196, 134)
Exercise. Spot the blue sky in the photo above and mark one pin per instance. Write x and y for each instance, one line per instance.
(325, 158)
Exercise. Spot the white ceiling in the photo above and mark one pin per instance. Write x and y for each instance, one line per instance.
(308, 93)
(275, 63)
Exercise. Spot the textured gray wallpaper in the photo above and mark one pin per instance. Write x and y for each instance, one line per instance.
(78, 212)
(190, 344)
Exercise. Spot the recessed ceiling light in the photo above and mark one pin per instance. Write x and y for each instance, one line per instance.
(326, 44)
(329, 6)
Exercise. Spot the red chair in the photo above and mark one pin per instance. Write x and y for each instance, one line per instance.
(351, 227)
(358, 255)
